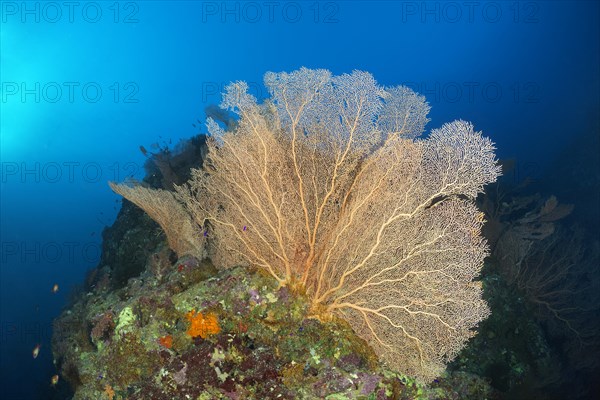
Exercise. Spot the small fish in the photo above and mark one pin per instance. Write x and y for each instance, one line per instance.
(92, 234)
(54, 380)
(55, 288)
(194, 125)
(144, 151)
(154, 145)
(36, 350)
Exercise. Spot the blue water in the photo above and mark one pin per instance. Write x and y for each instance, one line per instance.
(83, 86)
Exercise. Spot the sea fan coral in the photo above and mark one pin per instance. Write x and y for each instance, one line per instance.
(326, 187)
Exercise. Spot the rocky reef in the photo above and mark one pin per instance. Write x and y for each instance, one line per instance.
(201, 334)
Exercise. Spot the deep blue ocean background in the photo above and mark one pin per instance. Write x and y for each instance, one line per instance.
(84, 86)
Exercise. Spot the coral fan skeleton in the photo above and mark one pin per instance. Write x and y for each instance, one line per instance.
(344, 203)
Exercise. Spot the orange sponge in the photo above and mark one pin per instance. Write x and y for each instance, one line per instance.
(201, 325)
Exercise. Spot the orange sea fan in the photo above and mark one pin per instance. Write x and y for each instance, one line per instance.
(201, 325)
